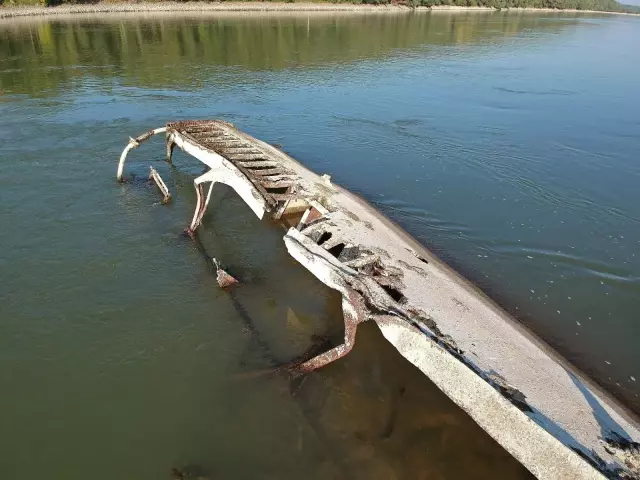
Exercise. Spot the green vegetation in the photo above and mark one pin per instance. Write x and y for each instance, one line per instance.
(601, 5)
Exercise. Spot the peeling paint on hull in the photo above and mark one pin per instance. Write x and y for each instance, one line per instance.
(532, 402)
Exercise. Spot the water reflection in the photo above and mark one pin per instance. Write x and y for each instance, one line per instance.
(42, 56)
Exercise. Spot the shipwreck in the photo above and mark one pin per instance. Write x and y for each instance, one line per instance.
(541, 410)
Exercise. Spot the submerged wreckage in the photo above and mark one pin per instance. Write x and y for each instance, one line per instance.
(536, 406)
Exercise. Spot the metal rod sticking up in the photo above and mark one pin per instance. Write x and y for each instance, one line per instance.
(135, 143)
(224, 279)
(155, 176)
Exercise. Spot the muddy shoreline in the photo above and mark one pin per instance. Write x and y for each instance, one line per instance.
(253, 7)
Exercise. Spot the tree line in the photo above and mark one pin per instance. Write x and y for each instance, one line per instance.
(600, 5)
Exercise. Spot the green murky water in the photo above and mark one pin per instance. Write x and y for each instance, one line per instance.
(508, 143)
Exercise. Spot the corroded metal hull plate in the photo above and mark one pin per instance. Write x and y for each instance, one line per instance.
(532, 402)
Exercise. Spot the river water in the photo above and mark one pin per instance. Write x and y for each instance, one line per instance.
(507, 143)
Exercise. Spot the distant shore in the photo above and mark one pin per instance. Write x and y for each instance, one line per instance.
(114, 7)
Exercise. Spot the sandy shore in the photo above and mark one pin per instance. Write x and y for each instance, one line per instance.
(30, 11)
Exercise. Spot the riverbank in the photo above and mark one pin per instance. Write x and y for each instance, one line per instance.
(104, 7)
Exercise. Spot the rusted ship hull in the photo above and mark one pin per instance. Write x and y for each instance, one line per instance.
(534, 404)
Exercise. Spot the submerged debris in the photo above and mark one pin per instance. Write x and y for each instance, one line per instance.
(225, 280)
(424, 309)
(189, 472)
